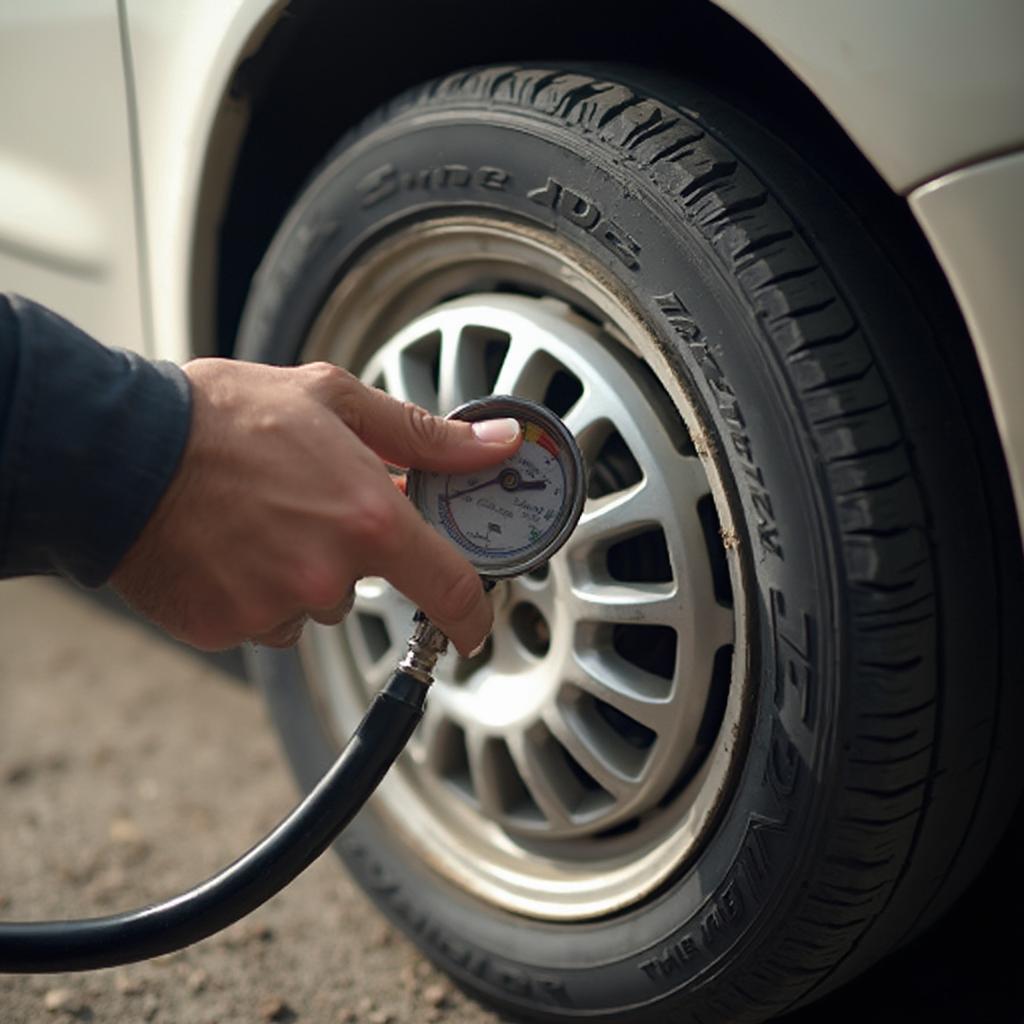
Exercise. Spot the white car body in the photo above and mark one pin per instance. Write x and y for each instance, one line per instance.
(119, 136)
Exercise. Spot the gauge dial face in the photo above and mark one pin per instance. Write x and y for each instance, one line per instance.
(506, 519)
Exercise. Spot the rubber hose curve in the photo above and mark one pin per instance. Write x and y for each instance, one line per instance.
(49, 946)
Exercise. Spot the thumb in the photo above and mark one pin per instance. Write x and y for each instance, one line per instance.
(406, 435)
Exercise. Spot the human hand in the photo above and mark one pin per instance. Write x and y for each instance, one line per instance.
(282, 502)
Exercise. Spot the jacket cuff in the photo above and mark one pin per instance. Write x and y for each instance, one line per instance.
(94, 436)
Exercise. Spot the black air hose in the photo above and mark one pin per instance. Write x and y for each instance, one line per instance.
(48, 946)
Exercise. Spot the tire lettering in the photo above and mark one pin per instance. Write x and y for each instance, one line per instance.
(582, 212)
(725, 911)
(755, 855)
(722, 917)
(546, 988)
(682, 324)
(782, 771)
(413, 180)
(378, 185)
(493, 178)
(626, 248)
(670, 959)
(386, 180)
(547, 195)
(585, 214)
(794, 659)
(450, 176)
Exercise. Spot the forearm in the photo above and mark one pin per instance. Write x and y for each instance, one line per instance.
(90, 438)
(281, 502)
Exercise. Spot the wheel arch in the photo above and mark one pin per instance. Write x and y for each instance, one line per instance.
(310, 70)
(273, 125)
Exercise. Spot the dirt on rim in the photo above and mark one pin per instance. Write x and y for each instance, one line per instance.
(131, 769)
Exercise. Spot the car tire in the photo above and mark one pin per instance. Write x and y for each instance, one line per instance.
(861, 720)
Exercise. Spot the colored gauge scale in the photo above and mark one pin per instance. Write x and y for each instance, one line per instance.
(510, 518)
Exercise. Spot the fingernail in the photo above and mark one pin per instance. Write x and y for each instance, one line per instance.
(478, 650)
(496, 431)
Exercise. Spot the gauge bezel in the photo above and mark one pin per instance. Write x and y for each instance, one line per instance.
(522, 409)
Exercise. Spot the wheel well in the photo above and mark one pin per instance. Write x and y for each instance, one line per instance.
(324, 66)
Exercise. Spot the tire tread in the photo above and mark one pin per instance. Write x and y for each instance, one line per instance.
(865, 453)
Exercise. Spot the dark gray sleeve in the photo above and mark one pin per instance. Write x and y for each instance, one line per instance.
(90, 437)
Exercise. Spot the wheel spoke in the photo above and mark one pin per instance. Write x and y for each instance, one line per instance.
(615, 515)
(612, 396)
(584, 415)
(375, 596)
(602, 761)
(524, 371)
(539, 780)
(462, 374)
(378, 625)
(407, 376)
(683, 481)
(715, 627)
(639, 695)
(485, 772)
(627, 602)
(427, 746)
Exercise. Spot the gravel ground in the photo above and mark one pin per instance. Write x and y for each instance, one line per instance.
(130, 768)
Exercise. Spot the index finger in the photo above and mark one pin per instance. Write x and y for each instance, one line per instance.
(437, 579)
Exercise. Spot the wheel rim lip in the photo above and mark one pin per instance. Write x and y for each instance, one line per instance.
(501, 870)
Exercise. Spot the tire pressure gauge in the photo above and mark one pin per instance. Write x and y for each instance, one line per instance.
(510, 518)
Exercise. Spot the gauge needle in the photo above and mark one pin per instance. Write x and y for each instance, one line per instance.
(507, 482)
(475, 487)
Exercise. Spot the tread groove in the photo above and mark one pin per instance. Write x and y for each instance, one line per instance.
(757, 244)
(653, 126)
(543, 82)
(904, 713)
(719, 170)
(893, 760)
(884, 627)
(882, 532)
(833, 903)
(729, 215)
(893, 666)
(675, 149)
(788, 275)
(572, 99)
(879, 485)
(802, 311)
(613, 112)
(858, 863)
(882, 822)
(863, 453)
(849, 414)
(500, 80)
(815, 343)
(885, 794)
(851, 890)
(902, 738)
